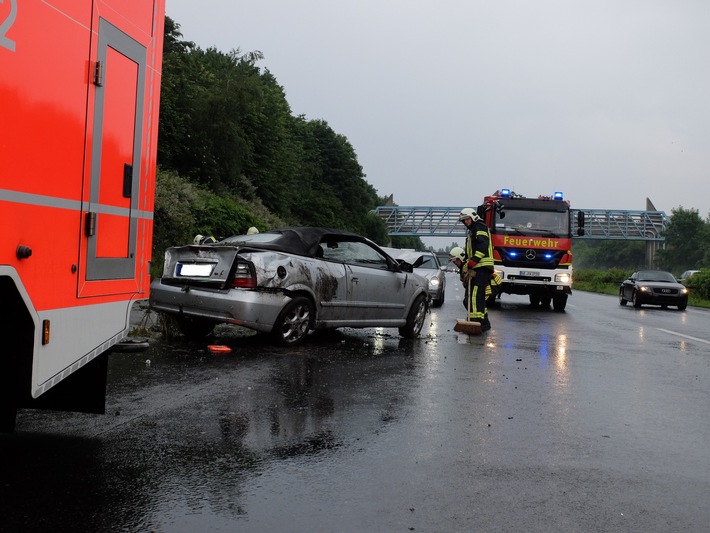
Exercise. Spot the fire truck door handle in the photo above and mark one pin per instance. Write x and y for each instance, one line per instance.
(127, 180)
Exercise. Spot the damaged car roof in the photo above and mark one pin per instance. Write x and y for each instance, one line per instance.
(297, 240)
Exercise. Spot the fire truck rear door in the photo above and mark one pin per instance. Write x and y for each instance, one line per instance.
(111, 223)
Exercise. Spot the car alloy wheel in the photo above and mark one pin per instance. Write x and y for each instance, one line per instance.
(622, 300)
(294, 322)
(415, 318)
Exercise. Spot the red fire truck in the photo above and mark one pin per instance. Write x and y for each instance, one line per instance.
(532, 240)
(79, 97)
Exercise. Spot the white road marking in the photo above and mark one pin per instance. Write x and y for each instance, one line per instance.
(684, 336)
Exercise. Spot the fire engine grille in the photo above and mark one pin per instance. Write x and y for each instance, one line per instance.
(545, 279)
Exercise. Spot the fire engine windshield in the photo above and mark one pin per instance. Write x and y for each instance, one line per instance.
(531, 222)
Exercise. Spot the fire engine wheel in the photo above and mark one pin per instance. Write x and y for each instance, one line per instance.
(559, 302)
(294, 322)
(415, 318)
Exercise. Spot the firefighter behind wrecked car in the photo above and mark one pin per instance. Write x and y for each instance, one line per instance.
(202, 239)
(457, 256)
(479, 264)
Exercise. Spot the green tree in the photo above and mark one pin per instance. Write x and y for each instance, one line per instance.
(685, 241)
(603, 254)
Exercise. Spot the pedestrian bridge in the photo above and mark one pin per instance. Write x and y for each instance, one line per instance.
(598, 223)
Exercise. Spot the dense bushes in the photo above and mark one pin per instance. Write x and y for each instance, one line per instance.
(183, 209)
(231, 155)
(700, 285)
(605, 281)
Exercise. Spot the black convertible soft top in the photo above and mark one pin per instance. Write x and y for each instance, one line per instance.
(295, 240)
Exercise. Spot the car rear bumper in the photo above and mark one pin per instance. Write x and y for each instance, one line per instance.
(252, 309)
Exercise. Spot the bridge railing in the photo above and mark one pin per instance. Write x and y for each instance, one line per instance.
(628, 225)
(426, 221)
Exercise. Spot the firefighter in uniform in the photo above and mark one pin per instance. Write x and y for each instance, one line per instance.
(479, 264)
(457, 256)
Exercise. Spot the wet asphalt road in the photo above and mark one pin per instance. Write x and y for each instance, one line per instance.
(595, 419)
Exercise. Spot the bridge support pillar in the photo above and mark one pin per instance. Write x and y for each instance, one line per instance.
(651, 248)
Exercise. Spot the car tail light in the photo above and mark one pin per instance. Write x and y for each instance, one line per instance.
(244, 277)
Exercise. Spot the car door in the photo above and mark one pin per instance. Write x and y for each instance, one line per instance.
(377, 292)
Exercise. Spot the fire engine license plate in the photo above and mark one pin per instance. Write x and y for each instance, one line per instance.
(203, 270)
(530, 273)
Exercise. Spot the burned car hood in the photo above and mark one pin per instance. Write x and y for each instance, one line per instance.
(411, 257)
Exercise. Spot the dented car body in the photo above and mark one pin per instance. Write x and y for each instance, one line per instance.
(288, 282)
(426, 264)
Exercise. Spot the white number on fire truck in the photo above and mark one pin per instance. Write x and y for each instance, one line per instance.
(6, 24)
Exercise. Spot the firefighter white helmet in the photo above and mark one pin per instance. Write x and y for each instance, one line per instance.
(198, 239)
(468, 212)
(252, 231)
(457, 253)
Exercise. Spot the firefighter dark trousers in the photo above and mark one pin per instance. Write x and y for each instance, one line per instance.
(478, 296)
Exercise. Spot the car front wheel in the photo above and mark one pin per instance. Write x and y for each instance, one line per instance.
(635, 299)
(682, 305)
(622, 300)
(415, 318)
(294, 322)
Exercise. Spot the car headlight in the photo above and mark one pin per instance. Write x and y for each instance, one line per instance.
(434, 282)
(684, 291)
(643, 288)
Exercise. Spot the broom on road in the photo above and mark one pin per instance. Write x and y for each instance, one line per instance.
(468, 326)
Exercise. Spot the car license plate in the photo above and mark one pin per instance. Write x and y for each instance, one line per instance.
(530, 273)
(195, 270)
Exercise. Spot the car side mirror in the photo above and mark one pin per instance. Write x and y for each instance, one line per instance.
(406, 267)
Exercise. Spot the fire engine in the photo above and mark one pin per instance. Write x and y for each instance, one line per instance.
(79, 97)
(532, 240)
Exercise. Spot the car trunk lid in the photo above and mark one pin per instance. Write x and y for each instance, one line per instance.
(200, 265)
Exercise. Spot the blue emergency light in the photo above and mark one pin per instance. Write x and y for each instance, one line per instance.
(505, 193)
(557, 196)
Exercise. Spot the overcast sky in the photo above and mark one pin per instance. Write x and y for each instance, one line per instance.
(447, 101)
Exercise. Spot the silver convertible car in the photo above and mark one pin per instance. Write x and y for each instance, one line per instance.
(288, 282)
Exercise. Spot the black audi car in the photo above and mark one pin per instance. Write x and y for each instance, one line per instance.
(653, 287)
